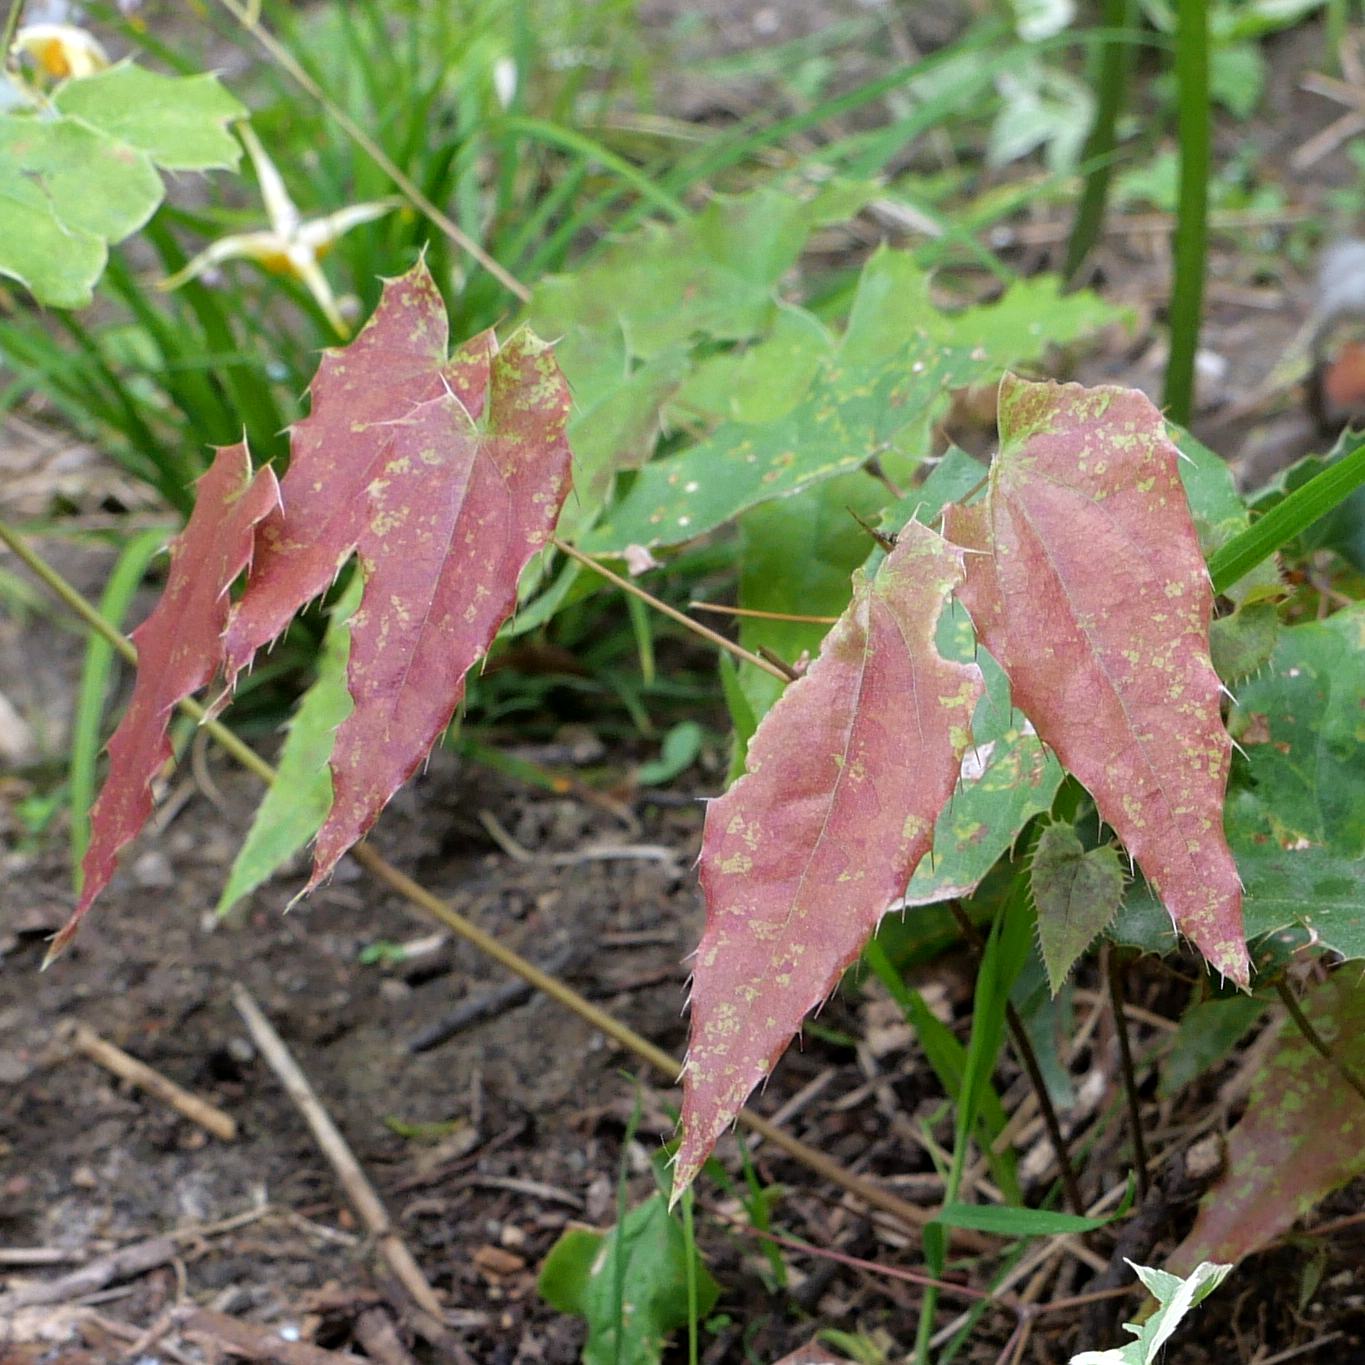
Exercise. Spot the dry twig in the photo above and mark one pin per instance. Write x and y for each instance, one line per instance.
(124, 1264)
(255, 1342)
(353, 1180)
(103, 1053)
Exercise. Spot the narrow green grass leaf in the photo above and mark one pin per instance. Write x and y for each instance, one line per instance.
(1003, 1221)
(293, 809)
(1287, 519)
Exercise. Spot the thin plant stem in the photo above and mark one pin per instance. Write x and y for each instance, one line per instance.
(1191, 226)
(16, 12)
(1319, 1043)
(1116, 974)
(722, 609)
(1028, 1058)
(1114, 63)
(375, 863)
(690, 1266)
(286, 61)
(672, 613)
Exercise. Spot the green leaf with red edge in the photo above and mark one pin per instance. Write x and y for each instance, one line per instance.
(445, 477)
(800, 858)
(178, 651)
(1302, 1136)
(1086, 581)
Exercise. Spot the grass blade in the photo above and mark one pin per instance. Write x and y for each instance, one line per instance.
(1191, 225)
(1115, 64)
(1286, 520)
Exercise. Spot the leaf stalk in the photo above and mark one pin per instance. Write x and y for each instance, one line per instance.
(11, 29)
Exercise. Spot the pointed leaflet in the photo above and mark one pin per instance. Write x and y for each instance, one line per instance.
(444, 477)
(1088, 585)
(178, 649)
(846, 776)
(1077, 893)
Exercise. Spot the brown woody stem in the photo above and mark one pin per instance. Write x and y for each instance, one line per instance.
(705, 632)
(1116, 973)
(369, 858)
(723, 609)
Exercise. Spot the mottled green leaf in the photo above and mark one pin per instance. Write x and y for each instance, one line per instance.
(1302, 1136)
(1241, 643)
(899, 359)
(297, 803)
(765, 381)
(797, 556)
(953, 477)
(1301, 724)
(1007, 778)
(628, 320)
(180, 122)
(630, 1284)
(1077, 893)
(1175, 1296)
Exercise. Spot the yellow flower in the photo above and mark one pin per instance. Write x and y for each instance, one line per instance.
(61, 50)
(291, 245)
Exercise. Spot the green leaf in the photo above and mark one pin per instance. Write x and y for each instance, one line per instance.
(1301, 723)
(65, 193)
(797, 556)
(1077, 893)
(649, 1249)
(680, 748)
(180, 122)
(628, 322)
(953, 477)
(1007, 778)
(1175, 1297)
(1241, 644)
(1003, 1221)
(295, 806)
(1208, 1032)
(893, 370)
(73, 184)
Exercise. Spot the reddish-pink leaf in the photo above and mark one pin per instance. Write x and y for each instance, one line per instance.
(444, 477)
(1088, 585)
(178, 649)
(800, 858)
(1300, 1139)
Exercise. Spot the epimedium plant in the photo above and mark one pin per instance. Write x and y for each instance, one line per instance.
(984, 698)
(445, 477)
